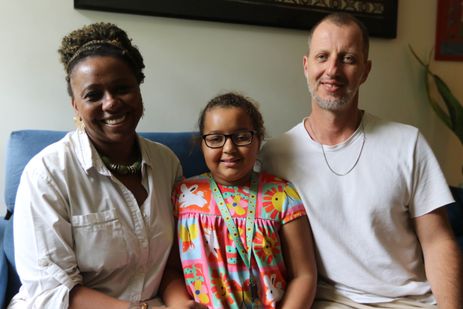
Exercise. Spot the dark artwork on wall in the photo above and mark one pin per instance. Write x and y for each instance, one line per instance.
(380, 16)
(449, 30)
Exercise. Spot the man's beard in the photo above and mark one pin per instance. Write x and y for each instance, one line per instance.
(332, 103)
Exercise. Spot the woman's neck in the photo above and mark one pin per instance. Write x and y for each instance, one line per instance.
(119, 153)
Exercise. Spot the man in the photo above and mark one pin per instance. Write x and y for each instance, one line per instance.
(373, 189)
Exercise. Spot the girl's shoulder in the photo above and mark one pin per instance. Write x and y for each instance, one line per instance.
(193, 194)
(201, 178)
(267, 178)
(192, 183)
(272, 184)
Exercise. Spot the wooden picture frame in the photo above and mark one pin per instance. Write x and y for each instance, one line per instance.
(449, 30)
(380, 16)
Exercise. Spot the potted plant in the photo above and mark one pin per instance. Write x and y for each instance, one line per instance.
(452, 116)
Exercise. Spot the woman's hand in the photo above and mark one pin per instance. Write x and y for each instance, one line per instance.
(189, 304)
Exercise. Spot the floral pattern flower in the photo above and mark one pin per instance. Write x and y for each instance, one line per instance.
(273, 201)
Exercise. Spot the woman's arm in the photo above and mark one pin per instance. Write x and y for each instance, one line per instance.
(172, 290)
(298, 251)
(82, 297)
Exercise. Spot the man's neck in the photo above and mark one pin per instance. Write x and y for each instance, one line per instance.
(331, 128)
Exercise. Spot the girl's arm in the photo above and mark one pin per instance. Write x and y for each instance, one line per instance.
(172, 289)
(298, 251)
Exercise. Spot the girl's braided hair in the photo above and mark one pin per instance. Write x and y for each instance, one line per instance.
(99, 39)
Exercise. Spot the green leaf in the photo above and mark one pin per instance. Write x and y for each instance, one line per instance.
(453, 118)
(452, 104)
(435, 105)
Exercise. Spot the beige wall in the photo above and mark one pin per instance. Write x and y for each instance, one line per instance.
(188, 62)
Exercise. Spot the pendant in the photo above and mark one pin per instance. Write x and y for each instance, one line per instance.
(253, 287)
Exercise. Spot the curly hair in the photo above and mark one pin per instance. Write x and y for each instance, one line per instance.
(232, 99)
(99, 39)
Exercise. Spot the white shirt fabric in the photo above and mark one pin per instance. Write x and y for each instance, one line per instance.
(366, 246)
(75, 223)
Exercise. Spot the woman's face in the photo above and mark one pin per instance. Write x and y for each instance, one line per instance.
(106, 96)
(230, 164)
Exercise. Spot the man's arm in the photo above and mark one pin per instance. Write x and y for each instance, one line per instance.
(442, 258)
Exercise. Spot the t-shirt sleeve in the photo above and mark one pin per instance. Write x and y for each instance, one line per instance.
(293, 207)
(430, 189)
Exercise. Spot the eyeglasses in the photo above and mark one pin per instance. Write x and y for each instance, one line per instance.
(241, 138)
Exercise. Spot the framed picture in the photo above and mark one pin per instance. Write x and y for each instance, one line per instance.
(380, 16)
(449, 30)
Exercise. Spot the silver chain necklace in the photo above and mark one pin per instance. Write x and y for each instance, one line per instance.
(324, 154)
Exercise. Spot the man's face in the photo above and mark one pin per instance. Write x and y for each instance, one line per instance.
(336, 66)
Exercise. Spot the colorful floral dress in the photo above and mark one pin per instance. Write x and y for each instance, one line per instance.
(213, 269)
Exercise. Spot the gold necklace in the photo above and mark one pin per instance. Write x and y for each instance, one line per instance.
(121, 169)
(324, 154)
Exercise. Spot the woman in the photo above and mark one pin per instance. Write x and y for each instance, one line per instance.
(93, 220)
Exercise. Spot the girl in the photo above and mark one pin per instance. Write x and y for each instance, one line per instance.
(244, 237)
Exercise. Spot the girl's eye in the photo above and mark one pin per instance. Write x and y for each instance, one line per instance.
(240, 137)
(215, 138)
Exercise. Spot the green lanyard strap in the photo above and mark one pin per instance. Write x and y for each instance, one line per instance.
(232, 228)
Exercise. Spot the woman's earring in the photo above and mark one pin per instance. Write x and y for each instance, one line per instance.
(78, 122)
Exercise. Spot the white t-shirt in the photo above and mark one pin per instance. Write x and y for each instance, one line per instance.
(74, 223)
(366, 246)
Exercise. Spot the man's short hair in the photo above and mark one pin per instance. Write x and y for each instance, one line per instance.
(343, 19)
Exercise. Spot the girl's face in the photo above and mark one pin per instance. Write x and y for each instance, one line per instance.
(230, 164)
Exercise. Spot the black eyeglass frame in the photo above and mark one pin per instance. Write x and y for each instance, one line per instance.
(230, 136)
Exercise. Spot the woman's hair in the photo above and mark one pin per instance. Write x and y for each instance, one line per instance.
(99, 39)
(231, 99)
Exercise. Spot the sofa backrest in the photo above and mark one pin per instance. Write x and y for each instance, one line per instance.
(24, 144)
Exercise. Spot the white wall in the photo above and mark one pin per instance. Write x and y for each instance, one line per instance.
(188, 62)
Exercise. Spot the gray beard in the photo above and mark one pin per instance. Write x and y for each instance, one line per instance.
(332, 104)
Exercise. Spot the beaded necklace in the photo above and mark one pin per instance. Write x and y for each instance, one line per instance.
(121, 169)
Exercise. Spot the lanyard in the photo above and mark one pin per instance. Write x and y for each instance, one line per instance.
(233, 230)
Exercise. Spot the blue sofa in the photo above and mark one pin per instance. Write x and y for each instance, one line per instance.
(24, 144)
